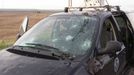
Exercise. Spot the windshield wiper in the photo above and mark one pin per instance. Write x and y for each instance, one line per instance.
(55, 51)
(63, 55)
(42, 46)
(28, 51)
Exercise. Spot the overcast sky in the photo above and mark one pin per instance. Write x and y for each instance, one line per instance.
(56, 4)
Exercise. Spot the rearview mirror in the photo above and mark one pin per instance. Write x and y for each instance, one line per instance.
(111, 48)
(23, 27)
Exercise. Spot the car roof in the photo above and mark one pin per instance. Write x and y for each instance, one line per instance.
(100, 14)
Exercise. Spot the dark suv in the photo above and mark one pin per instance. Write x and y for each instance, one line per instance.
(85, 42)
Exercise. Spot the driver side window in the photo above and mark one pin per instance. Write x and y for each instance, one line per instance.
(107, 34)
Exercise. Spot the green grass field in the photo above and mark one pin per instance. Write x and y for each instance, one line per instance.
(6, 43)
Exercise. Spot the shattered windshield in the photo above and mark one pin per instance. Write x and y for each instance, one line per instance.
(69, 34)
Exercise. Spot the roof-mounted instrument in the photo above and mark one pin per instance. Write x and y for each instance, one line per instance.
(107, 7)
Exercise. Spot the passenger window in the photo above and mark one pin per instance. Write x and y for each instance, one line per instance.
(121, 22)
(124, 29)
(107, 33)
(126, 34)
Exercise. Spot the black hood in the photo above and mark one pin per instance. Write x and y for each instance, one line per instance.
(15, 64)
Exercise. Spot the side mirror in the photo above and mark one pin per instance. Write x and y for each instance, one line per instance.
(23, 27)
(111, 48)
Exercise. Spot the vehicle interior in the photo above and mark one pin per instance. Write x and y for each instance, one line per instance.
(126, 33)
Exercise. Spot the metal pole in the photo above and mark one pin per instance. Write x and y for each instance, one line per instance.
(69, 3)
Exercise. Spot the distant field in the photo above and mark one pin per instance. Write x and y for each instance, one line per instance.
(10, 22)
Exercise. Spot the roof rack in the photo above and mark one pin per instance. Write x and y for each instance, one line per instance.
(108, 7)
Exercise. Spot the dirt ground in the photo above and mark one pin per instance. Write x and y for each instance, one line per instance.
(10, 22)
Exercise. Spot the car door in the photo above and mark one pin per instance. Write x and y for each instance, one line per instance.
(127, 34)
(109, 64)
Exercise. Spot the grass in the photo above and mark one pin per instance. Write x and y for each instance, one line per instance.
(6, 43)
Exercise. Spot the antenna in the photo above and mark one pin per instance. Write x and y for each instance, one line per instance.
(69, 3)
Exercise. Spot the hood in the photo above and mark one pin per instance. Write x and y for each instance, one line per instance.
(16, 64)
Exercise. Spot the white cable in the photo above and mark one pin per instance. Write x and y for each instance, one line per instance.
(107, 2)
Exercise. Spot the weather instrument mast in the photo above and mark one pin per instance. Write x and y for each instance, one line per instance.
(88, 3)
(69, 3)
